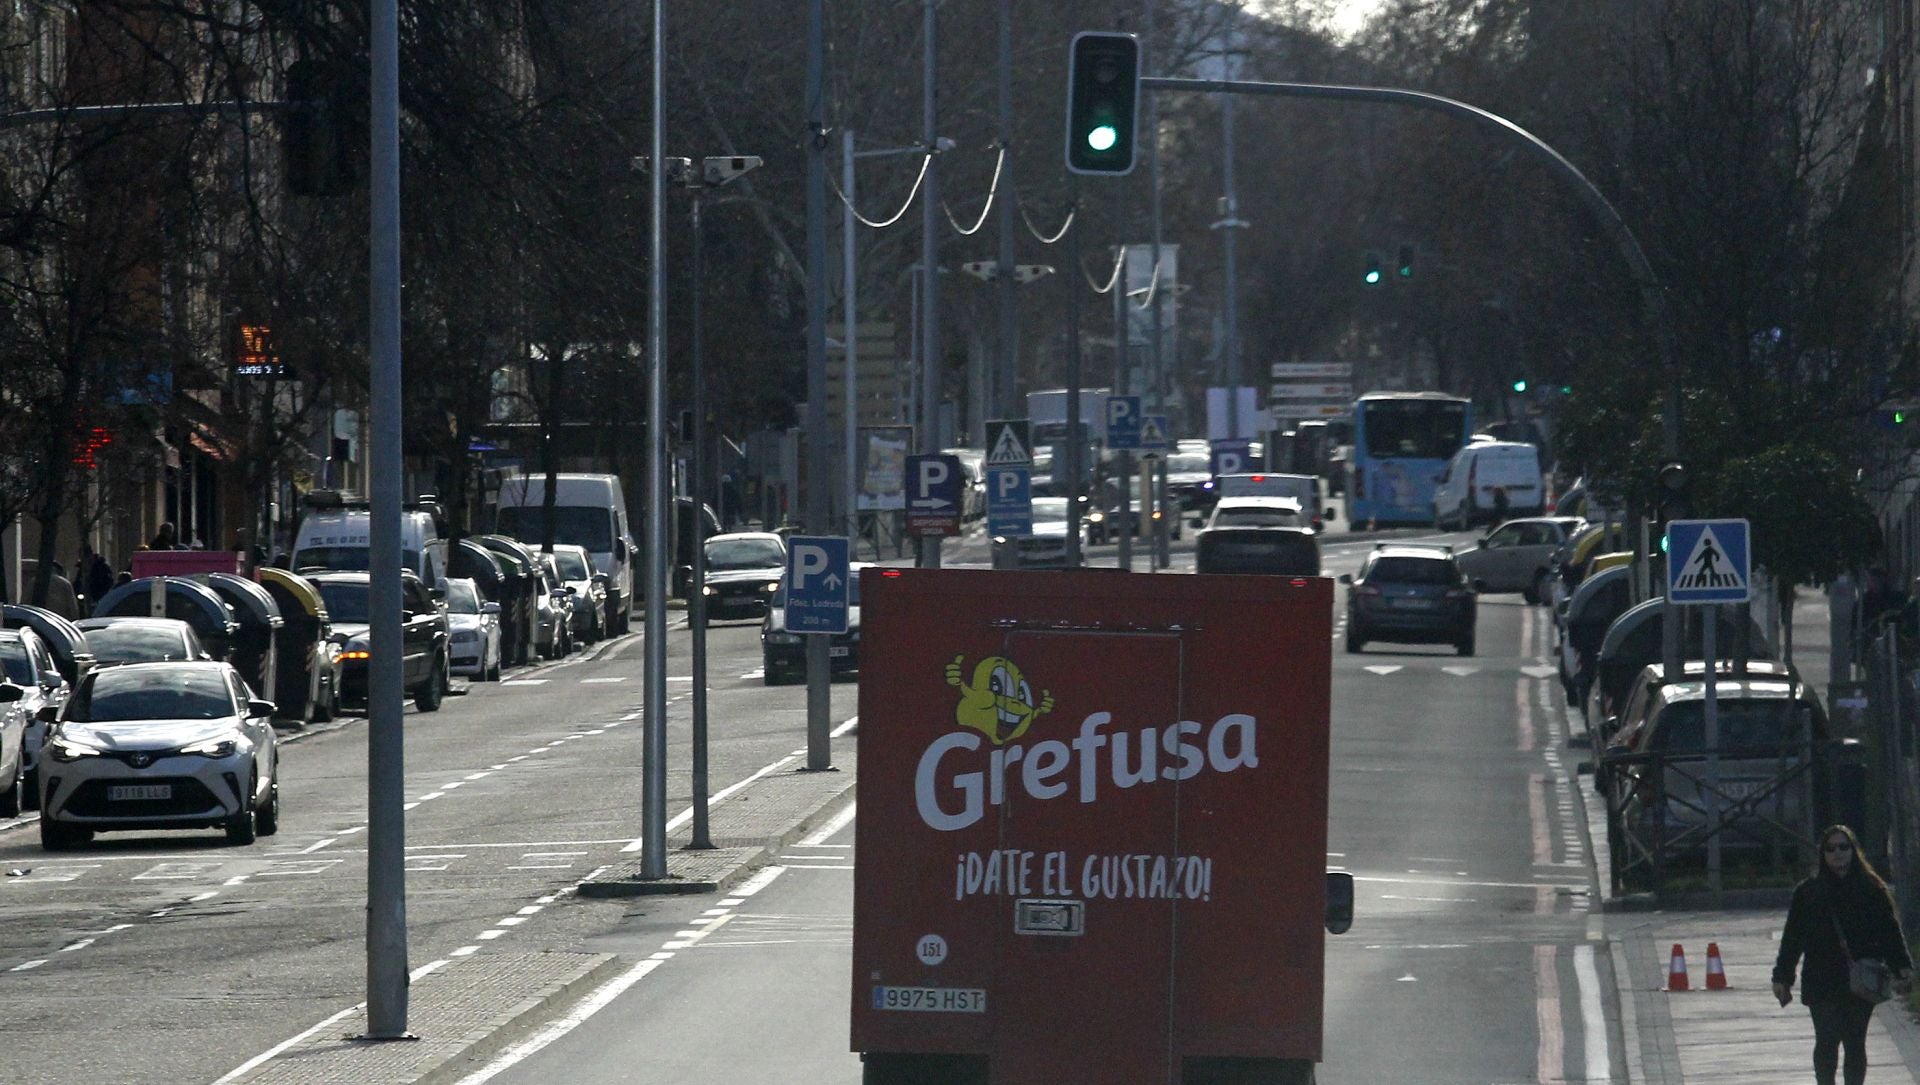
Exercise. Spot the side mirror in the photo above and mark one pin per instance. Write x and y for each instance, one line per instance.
(257, 708)
(570, 590)
(1339, 902)
(1346, 578)
(1328, 514)
(601, 578)
(338, 638)
(489, 608)
(437, 593)
(620, 549)
(10, 692)
(47, 714)
(50, 680)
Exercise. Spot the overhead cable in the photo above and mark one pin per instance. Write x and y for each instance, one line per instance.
(925, 161)
(993, 190)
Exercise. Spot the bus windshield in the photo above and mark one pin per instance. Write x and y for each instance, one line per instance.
(1414, 429)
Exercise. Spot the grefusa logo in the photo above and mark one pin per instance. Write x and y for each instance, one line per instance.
(952, 789)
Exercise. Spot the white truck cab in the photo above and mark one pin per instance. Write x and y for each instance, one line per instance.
(335, 533)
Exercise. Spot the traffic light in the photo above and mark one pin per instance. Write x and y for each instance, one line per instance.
(1675, 493)
(1372, 275)
(316, 130)
(1404, 266)
(1103, 92)
(1519, 385)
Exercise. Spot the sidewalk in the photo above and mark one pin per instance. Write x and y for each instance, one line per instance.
(1742, 1034)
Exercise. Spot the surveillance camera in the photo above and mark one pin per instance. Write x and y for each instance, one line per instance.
(943, 144)
(723, 168)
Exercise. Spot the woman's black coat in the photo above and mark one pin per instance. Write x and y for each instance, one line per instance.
(1866, 915)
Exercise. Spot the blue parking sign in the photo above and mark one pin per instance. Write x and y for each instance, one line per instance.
(1231, 457)
(817, 588)
(1009, 501)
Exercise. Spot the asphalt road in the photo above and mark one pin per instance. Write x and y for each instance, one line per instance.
(1470, 960)
(171, 957)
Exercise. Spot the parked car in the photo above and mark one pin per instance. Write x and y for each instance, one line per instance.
(29, 664)
(572, 568)
(1626, 727)
(553, 613)
(13, 759)
(743, 573)
(1188, 476)
(473, 630)
(141, 640)
(784, 653)
(1410, 594)
(973, 484)
(1518, 557)
(589, 511)
(160, 746)
(423, 637)
(1766, 726)
(1467, 491)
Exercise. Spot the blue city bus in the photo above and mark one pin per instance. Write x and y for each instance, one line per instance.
(1402, 442)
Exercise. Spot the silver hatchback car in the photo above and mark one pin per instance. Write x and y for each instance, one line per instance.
(159, 746)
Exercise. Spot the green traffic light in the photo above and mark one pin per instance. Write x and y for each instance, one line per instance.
(1663, 544)
(1103, 137)
(1899, 418)
(1566, 389)
(1519, 386)
(1373, 276)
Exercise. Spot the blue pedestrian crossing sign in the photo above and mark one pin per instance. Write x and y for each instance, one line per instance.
(817, 584)
(1709, 561)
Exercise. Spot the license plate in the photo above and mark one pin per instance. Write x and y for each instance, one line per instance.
(837, 653)
(931, 999)
(139, 792)
(1411, 604)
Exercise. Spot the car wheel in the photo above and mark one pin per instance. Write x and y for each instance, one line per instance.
(57, 837)
(1542, 588)
(434, 690)
(769, 674)
(323, 708)
(30, 790)
(493, 673)
(1355, 641)
(10, 801)
(1465, 647)
(266, 819)
(240, 829)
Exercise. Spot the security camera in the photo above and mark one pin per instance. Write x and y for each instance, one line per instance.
(943, 144)
(723, 168)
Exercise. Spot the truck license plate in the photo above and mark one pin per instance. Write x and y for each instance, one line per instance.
(837, 653)
(931, 999)
(139, 792)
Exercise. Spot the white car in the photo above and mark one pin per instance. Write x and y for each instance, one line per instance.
(28, 664)
(473, 630)
(159, 746)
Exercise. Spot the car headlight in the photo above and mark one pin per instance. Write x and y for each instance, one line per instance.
(999, 540)
(68, 751)
(1096, 517)
(709, 589)
(213, 747)
(783, 638)
(770, 587)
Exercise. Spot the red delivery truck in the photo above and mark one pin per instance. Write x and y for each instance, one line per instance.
(1093, 829)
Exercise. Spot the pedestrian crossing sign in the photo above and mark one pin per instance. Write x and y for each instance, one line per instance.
(1009, 443)
(1708, 561)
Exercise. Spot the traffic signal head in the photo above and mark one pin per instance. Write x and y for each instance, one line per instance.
(318, 130)
(1372, 274)
(1519, 384)
(1103, 92)
(1674, 495)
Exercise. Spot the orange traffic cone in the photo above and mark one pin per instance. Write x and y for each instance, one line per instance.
(1716, 969)
(1677, 970)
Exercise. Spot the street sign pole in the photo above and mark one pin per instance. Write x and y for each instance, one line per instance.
(819, 436)
(1708, 635)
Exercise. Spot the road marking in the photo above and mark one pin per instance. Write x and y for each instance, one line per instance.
(1461, 672)
(417, 864)
(162, 872)
(1593, 1020)
(1540, 672)
(516, 682)
(296, 868)
(1552, 1052)
(1383, 669)
(608, 681)
(819, 837)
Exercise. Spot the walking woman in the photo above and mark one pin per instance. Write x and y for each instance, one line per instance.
(1844, 913)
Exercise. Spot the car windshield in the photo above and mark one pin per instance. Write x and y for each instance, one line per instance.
(128, 643)
(1745, 723)
(13, 655)
(727, 554)
(346, 600)
(1410, 571)
(571, 565)
(462, 598)
(1189, 463)
(1256, 518)
(158, 693)
(575, 525)
(1049, 509)
(348, 558)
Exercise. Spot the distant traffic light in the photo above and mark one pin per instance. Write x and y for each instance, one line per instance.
(1675, 495)
(1372, 274)
(1103, 93)
(1519, 385)
(1404, 266)
(317, 130)
(1566, 389)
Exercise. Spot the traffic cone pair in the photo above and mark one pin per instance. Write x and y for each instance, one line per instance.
(1677, 969)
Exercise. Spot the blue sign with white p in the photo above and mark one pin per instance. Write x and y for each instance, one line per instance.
(1009, 501)
(817, 588)
(1123, 422)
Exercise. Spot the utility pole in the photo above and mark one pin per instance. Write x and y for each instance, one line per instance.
(819, 436)
(653, 740)
(1153, 495)
(1006, 376)
(386, 740)
(850, 352)
(1075, 450)
(930, 368)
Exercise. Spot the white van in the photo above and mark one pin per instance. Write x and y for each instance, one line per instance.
(334, 534)
(1465, 495)
(589, 511)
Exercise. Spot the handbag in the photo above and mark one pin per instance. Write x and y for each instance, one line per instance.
(1868, 978)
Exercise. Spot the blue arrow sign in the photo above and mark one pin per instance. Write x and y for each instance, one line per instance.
(1009, 501)
(1709, 561)
(817, 588)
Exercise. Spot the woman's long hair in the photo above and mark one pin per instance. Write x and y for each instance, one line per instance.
(1860, 872)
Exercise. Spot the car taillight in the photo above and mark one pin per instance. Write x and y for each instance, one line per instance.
(1362, 589)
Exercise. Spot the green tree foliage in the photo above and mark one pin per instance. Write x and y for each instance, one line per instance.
(1808, 521)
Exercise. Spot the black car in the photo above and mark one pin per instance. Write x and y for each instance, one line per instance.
(423, 636)
(743, 571)
(1410, 595)
(785, 653)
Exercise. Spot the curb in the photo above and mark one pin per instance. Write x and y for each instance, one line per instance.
(530, 1014)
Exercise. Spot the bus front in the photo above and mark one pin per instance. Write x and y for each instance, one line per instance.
(1401, 444)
